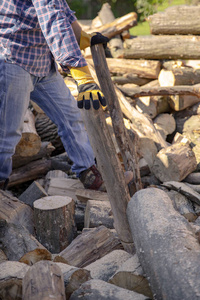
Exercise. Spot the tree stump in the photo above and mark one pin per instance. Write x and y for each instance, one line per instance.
(54, 222)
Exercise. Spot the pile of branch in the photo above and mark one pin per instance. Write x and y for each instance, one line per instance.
(62, 241)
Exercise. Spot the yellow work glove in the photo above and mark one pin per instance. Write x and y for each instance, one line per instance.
(87, 88)
(91, 39)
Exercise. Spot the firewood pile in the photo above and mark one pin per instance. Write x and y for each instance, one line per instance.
(59, 240)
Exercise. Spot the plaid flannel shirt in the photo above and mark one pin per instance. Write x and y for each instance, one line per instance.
(32, 32)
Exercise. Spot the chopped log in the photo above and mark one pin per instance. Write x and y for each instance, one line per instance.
(176, 20)
(115, 44)
(183, 205)
(14, 211)
(192, 133)
(152, 105)
(181, 102)
(101, 290)
(11, 275)
(98, 213)
(73, 278)
(63, 187)
(30, 142)
(193, 178)
(44, 152)
(54, 222)
(105, 267)
(179, 76)
(129, 78)
(183, 189)
(37, 169)
(44, 280)
(174, 162)
(130, 276)
(16, 241)
(163, 47)
(83, 195)
(143, 68)
(32, 193)
(35, 255)
(166, 123)
(118, 25)
(164, 239)
(101, 241)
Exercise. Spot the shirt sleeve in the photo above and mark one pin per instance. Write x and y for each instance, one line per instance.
(55, 18)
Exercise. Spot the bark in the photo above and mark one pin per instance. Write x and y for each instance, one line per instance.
(164, 238)
(176, 20)
(163, 47)
(181, 102)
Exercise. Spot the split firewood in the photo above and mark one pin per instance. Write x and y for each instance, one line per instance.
(11, 276)
(130, 276)
(32, 193)
(16, 241)
(143, 68)
(183, 205)
(35, 255)
(101, 241)
(30, 142)
(181, 102)
(83, 195)
(162, 47)
(165, 123)
(37, 169)
(129, 78)
(115, 44)
(105, 267)
(44, 280)
(73, 278)
(118, 25)
(14, 211)
(98, 213)
(44, 152)
(163, 239)
(179, 76)
(101, 290)
(184, 189)
(174, 162)
(54, 222)
(176, 20)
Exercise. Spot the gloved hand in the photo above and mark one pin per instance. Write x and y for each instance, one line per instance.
(91, 39)
(87, 88)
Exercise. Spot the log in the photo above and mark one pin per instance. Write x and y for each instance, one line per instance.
(130, 276)
(98, 289)
(54, 222)
(11, 276)
(164, 239)
(37, 169)
(165, 123)
(44, 280)
(174, 162)
(115, 44)
(98, 213)
(105, 267)
(30, 142)
(179, 76)
(129, 78)
(44, 152)
(176, 20)
(32, 193)
(118, 25)
(83, 195)
(101, 240)
(73, 278)
(163, 47)
(3, 257)
(16, 241)
(143, 68)
(181, 102)
(14, 211)
(35, 255)
(193, 178)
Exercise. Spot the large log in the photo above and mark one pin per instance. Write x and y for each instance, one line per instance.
(101, 241)
(181, 19)
(54, 222)
(166, 246)
(163, 47)
(101, 290)
(44, 280)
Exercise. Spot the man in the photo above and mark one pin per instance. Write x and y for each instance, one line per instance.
(33, 35)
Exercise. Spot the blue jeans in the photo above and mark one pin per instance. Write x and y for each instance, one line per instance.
(17, 87)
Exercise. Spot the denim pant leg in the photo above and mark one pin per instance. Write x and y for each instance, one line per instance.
(15, 88)
(54, 97)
